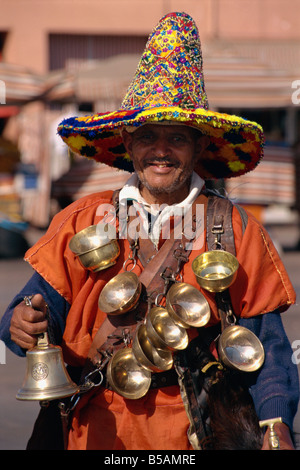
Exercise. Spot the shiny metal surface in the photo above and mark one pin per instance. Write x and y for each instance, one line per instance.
(274, 442)
(163, 332)
(94, 248)
(187, 305)
(147, 355)
(215, 270)
(126, 376)
(120, 294)
(240, 349)
(46, 376)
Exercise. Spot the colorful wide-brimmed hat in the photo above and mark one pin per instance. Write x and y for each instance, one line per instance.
(169, 86)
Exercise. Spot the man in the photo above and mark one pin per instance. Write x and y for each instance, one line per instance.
(166, 133)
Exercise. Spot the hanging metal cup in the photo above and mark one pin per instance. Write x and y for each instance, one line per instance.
(153, 359)
(95, 249)
(120, 294)
(126, 376)
(163, 332)
(215, 270)
(187, 305)
(239, 348)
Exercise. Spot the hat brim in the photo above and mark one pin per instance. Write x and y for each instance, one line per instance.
(236, 144)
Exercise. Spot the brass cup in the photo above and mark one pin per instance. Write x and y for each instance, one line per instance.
(153, 359)
(187, 306)
(240, 349)
(163, 332)
(95, 249)
(215, 270)
(126, 376)
(120, 294)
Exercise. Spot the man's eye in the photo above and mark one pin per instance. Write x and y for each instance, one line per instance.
(146, 138)
(178, 138)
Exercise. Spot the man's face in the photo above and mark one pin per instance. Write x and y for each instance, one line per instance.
(164, 157)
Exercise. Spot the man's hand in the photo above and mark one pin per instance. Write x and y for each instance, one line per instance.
(283, 433)
(28, 322)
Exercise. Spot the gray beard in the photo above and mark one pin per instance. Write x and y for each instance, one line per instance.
(174, 187)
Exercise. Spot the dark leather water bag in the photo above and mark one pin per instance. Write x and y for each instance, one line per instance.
(217, 399)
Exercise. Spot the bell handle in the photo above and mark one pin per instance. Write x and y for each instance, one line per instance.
(43, 340)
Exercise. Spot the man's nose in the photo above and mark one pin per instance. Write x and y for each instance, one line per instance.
(162, 148)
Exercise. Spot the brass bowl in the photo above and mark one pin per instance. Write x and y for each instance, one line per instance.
(94, 248)
(120, 294)
(239, 348)
(126, 376)
(153, 359)
(187, 305)
(163, 332)
(215, 270)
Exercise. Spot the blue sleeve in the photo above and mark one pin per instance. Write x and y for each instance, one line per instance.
(58, 310)
(275, 390)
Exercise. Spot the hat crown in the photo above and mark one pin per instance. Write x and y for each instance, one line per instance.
(170, 71)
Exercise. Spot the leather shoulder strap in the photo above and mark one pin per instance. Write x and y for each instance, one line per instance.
(219, 224)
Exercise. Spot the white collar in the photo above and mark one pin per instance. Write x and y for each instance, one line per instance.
(131, 192)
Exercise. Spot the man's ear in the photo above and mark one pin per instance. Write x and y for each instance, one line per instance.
(201, 145)
(127, 140)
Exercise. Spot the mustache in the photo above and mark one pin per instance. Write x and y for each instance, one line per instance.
(160, 160)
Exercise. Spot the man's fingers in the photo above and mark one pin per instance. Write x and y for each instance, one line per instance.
(29, 315)
(38, 303)
(28, 321)
(23, 340)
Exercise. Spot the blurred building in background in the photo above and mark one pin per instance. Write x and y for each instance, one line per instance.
(60, 58)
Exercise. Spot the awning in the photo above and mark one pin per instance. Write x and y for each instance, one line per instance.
(241, 75)
(256, 74)
(271, 182)
(86, 177)
(106, 80)
(21, 84)
(59, 86)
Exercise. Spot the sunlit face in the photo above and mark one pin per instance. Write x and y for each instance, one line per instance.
(164, 157)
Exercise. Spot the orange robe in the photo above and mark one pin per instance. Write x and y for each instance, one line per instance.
(102, 418)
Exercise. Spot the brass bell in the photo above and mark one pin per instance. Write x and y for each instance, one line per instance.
(46, 376)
